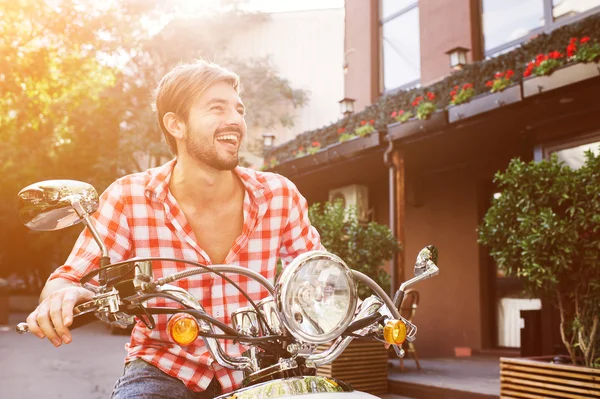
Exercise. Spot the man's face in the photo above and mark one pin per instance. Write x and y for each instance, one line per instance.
(216, 127)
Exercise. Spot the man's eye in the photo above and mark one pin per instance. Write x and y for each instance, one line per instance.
(216, 108)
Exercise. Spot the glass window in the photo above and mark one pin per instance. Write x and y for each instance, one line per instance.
(401, 50)
(575, 156)
(508, 20)
(567, 8)
(390, 7)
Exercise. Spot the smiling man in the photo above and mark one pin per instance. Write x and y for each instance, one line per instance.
(200, 206)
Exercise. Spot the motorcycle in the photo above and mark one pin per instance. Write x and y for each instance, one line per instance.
(313, 302)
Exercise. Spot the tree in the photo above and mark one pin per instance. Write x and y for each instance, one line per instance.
(76, 83)
(545, 229)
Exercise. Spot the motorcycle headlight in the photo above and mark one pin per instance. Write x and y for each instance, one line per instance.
(316, 297)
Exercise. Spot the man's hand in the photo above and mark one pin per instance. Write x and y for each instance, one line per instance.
(54, 314)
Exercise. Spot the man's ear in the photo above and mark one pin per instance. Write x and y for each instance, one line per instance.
(174, 125)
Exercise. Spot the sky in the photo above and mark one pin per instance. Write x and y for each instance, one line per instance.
(292, 5)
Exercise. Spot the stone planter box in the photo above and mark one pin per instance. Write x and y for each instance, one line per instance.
(484, 102)
(538, 378)
(353, 146)
(437, 121)
(563, 76)
(363, 365)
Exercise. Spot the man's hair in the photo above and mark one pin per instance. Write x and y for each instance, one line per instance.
(179, 88)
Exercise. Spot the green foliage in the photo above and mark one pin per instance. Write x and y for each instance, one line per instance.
(76, 83)
(346, 137)
(363, 247)
(425, 110)
(365, 130)
(545, 228)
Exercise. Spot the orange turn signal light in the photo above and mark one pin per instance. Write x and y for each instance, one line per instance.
(394, 332)
(183, 328)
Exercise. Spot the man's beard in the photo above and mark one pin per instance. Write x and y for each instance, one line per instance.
(206, 152)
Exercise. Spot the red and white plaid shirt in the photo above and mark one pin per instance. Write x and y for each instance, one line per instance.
(139, 217)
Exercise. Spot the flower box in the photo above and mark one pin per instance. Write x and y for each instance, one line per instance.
(484, 102)
(348, 148)
(292, 166)
(539, 378)
(564, 76)
(436, 122)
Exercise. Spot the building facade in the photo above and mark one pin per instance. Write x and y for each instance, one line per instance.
(432, 180)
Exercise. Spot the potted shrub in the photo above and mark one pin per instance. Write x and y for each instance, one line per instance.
(364, 247)
(544, 227)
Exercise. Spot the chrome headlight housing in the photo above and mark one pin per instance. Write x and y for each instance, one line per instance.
(316, 297)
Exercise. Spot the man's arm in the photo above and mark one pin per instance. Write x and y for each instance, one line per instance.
(299, 235)
(62, 292)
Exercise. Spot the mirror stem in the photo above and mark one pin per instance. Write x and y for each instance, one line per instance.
(87, 221)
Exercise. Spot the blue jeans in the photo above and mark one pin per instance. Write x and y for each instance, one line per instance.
(144, 381)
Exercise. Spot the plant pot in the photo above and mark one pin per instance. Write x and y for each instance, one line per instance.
(363, 365)
(293, 166)
(538, 378)
(437, 121)
(563, 76)
(353, 146)
(484, 102)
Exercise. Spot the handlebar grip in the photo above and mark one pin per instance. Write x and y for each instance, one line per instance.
(79, 320)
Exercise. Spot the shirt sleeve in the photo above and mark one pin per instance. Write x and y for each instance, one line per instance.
(299, 235)
(110, 220)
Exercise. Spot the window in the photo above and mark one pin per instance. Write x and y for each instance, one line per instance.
(401, 54)
(508, 23)
(572, 153)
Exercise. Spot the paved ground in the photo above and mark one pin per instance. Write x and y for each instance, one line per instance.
(33, 368)
(472, 374)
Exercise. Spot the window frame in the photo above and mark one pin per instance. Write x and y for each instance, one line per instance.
(382, 21)
(549, 25)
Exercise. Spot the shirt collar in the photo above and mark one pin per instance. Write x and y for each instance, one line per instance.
(158, 185)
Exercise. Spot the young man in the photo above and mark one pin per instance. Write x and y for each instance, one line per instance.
(200, 206)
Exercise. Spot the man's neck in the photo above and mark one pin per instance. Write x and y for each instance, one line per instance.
(196, 183)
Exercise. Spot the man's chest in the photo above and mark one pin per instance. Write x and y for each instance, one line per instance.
(216, 232)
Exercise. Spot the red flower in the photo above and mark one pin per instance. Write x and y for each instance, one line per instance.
(527, 72)
(453, 93)
(573, 40)
(316, 144)
(401, 112)
(371, 121)
(571, 49)
(584, 39)
(467, 86)
(430, 96)
(394, 114)
(498, 75)
(456, 87)
(415, 103)
(489, 83)
(362, 123)
(555, 54)
(539, 58)
(341, 130)
(509, 74)
(300, 149)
